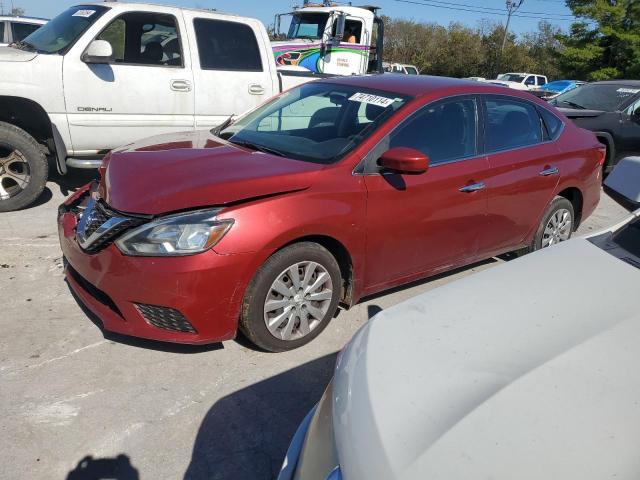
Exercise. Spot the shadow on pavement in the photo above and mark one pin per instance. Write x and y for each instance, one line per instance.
(245, 435)
(118, 468)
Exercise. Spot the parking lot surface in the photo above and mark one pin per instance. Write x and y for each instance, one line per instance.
(76, 404)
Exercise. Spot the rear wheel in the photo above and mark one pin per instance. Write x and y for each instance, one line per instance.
(292, 298)
(556, 225)
(23, 168)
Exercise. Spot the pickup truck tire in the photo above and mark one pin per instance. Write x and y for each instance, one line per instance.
(292, 298)
(557, 224)
(23, 168)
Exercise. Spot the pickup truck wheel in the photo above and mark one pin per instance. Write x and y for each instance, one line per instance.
(23, 168)
(292, 298)
(556, 225)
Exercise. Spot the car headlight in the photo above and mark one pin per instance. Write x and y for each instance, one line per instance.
(176, 235)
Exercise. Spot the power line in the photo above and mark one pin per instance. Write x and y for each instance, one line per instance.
(500, 10)
(429, 3)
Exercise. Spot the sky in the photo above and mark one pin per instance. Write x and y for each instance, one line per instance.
(439, 11)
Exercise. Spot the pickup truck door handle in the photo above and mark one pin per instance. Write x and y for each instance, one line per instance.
(549, 171)
(256, 89)
(474, 187)
(181, 85)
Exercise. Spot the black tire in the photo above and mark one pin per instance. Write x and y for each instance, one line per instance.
(252, 317)
(14, 139)
(558, 203)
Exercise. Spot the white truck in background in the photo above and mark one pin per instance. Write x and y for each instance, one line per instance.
(101, 75)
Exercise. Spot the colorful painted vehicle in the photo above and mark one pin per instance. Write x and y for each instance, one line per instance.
(330, 39)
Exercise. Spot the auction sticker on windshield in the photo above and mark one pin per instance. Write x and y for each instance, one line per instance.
(84, 13)
(632, 91)
(372, 99)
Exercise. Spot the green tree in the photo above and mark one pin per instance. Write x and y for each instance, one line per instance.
(605, 43)
(17, 12)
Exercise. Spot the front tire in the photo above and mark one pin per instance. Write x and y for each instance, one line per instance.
(292, 297)
(557, 224)
(23, 168)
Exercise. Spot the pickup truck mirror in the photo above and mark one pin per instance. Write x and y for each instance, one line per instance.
(98, 51)
(623, 183)
(404, 161)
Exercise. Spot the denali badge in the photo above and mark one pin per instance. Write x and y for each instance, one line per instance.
(94, 109)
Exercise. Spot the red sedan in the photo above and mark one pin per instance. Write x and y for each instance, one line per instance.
(332, 191)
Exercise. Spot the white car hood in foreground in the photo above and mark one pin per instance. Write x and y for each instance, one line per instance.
(529, 370)
(10, 54)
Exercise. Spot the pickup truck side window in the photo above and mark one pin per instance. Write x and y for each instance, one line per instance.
(22, 30)
(229, 46)
(511, 123)
(140, 38)
(541, 81)
(531, 80)
(445, 131)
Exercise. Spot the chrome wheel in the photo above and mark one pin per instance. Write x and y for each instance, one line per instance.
(298, 300)
(14, 173)
(558, 228)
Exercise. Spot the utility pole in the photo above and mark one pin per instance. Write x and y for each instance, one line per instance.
(512, 6)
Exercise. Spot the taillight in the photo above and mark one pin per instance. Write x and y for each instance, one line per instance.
(602, 155)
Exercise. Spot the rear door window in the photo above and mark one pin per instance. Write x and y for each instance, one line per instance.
(444, 131)
(22, 30)
(510, 123)
(2, 39)
(228, 46)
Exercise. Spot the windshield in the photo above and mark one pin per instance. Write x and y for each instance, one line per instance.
(308, 25)
(607, 97)
(64, 30)
(623, 243)
(315, 122)
(511, 77)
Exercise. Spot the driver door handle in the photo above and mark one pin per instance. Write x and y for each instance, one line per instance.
(181, 85)
(474, 187)
(549, 171)
(256, 89)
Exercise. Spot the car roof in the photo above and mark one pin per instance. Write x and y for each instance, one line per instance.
(635, 83)
(420, 85)
(118, 4)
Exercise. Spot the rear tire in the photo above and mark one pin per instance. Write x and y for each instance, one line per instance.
(556, 226)
(23, 168)
(292, 297)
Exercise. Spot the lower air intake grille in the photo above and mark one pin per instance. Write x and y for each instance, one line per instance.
(165, 318)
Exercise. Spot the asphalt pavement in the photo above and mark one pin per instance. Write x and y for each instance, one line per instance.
(78, 405)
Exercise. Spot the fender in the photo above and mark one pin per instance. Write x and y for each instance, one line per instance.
(61, 150)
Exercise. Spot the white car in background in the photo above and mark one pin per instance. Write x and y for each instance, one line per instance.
(520, 81)
(14, 29)
(524, 371)
(400, 68)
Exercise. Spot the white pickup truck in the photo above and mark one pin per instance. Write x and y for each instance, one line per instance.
(101, 75)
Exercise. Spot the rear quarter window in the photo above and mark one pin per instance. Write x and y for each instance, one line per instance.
(552, 124)
(229, 46)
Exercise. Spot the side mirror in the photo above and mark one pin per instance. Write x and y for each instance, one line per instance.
(98, 51)
(404, 160)
(623, 183)
(340, 26)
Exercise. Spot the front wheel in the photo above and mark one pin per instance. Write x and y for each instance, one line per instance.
(557, 224)
(23, 168)
(292, 298)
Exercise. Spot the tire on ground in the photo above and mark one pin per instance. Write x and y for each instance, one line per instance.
(252, 323)
(557, 203)
(14, 138)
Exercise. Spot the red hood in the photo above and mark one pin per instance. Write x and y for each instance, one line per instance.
(180, 171)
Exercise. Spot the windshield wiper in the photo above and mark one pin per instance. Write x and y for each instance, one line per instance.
(216, 130)
(22, 45)
(259, 148)
(573, 104)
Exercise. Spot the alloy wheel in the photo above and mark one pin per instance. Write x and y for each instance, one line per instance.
(558, 228)
(14, 172)
(298, 300)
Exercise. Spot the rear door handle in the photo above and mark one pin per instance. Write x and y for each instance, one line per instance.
(256, 89)
(181, 85)
(474, 187)
(549, 171)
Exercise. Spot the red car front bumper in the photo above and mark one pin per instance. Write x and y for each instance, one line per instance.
(152, 297)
